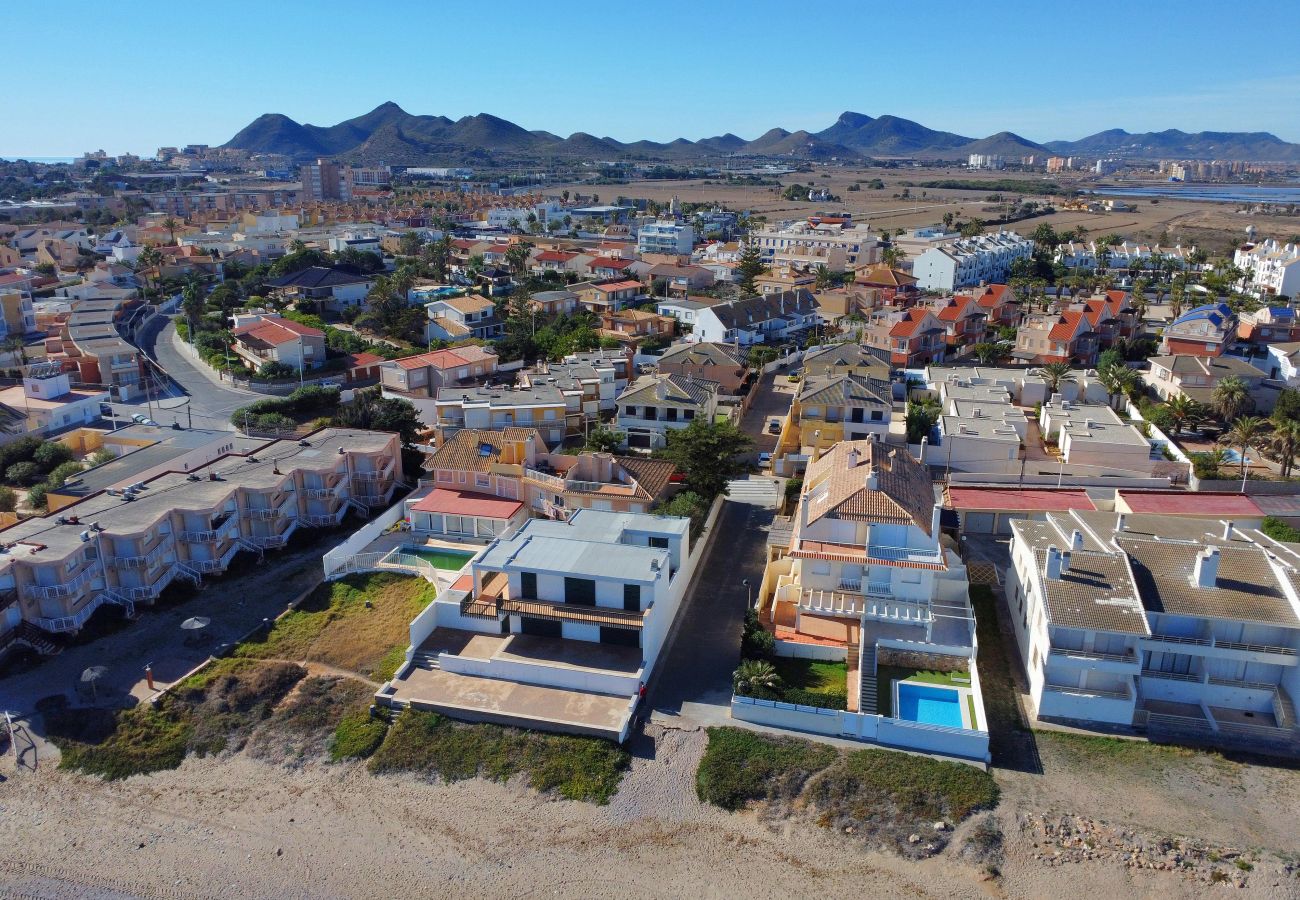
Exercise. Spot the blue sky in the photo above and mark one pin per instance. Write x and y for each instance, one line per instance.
(146, 74)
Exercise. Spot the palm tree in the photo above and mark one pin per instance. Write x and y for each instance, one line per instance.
(1184, 412)
(1055, 374)
(1117, 380)
(171, 225)
(990, 353)
(1286, 443)
(892, 256)
(1231, 398)
(755, 675)
(825, 279)
(1246, 432)
(15, 344)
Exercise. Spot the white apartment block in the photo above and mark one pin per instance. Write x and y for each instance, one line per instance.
(985, 161)
(1145, 257)
(807, 246)
(1183, 628)
(666, 237)
(985, 258)
(1271, 267)
(517, 216)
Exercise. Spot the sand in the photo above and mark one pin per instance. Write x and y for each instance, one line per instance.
(239, 827)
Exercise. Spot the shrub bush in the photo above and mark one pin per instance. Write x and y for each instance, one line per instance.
(740, 767)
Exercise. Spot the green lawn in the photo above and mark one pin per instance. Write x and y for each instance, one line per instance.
(812, 674)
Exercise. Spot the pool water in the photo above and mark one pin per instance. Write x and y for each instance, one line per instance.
(930, 704)
(452, 560)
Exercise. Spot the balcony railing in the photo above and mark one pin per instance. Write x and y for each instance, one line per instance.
(1194, 677)
(554, 482)
(1222, 645)
(879, 589)
(146, 561)
(904, 554)
(148, 591)
(68, 589)
(1128, 657)
(1101, 693)
(850, 584)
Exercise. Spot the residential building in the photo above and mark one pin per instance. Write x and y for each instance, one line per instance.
(1203, 331)
(555, 626)
(330, 288)
(1093, 434)
(985, 258)
(632, 326)
(1056, 337)
(781, 280)
(964, 321)
(665, 236)
(1269, 325)
(611, 294)
(769, 318)
(680, 281)
(999, 302)
(913, 338)
(827, 409)
(554, 303)
(272, 339)
(1196, 377)
(860, 567)
(125, 547)
(418, 378)
(17, 315)
(608, 267)
(841, 359)
(1271, 267)
(457, 318)
(981, 436)
(838, 246)
(326, 180)
(1123, 257)
(891, 286)
(721, 364)
(685, 311)
(1284, 363)
(46, 403)
(543, 407)
(1183, 629)
(654, 404)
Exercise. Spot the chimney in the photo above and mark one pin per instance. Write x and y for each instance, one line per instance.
(854, 457)
(1120, 521)
(935, 515)
(924, 443)
(873, 480)
(1076, 540)
(1065, 561)
(1227, 530)
(1206, 572)
(1052, 570)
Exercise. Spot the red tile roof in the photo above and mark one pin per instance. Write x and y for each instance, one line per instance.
(617, 286)
(610, 262)
(555, 256)
(954, 308)
(277, 331)
(443, 359)
(364, 360)
(1190, 503)
(467, 503)
(1017, 499)
(1066, 327)
(993, 295)
(906, 326)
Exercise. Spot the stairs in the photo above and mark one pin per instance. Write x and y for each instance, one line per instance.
(867, 681)
(423, 660)
(33, 637)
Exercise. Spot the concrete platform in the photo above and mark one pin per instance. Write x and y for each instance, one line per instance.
(479, 699)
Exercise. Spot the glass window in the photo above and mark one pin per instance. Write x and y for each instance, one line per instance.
(528, 584)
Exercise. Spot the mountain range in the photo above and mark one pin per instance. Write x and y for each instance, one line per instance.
(389, 134)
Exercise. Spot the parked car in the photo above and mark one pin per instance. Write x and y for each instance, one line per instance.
(774, 427)
(106, 409)
(139, 418)
(765, 460)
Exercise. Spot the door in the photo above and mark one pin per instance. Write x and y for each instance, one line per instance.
(979, 523)
(622, 637)
(539, 627)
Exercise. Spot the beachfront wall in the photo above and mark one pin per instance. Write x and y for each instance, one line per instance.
(897, 733)
(592, 680)
(335, 559)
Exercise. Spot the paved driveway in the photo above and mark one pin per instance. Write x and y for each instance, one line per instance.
(772, 401)
(694, 672)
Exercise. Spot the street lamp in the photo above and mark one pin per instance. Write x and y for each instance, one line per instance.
(749, 594)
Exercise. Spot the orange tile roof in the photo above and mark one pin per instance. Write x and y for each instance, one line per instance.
(1067, 326)
(906, 326)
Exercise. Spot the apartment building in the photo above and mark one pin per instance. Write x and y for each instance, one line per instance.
(1269, 325)
(273, 339)
(1127, 256)
(493, 408)
(1202, 331)
(665, 236)
(457, 318)
(721, 364)
(556, 626)
(125, 547)
(827, 409)
(766, 318)
(17, 315)
(1271, 267)
(985, 258)
(838, 246)
(326, 180)
(46, 403)
(1182, 628)
(654, 404)
(1056, 337)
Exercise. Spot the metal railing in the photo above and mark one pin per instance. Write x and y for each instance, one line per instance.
(69, 589)
(1195, 677)
(148, 591)
(880, 588)
(904, 554)
(146, 561)
(552, 481)
(1222, 645)
(850, 584)
(831, 603)
(1128, 657)
(1125, 694)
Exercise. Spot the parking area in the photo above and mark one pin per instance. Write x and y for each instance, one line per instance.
(774, 394)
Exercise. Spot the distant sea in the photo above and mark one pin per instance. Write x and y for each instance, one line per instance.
(51, 160)
(1223, 193)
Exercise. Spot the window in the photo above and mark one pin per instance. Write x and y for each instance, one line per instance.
(632, 597)
(444, 475)
(670, 414)
(690, 415)
(579, 591)
(877, 415)
(659, 543)
(528, 584)
(482, 479)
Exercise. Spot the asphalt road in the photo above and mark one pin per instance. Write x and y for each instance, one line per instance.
(210, 403)
(696, 667)
(769, 404)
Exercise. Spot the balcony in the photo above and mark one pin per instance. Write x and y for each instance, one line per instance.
(1090, 693)
(569, 612)
(1095, 659)
(554, 482)
(923, 555)
(148, 591)
(1274, 654)
(151, 557)
(831, 603)
(68, 589)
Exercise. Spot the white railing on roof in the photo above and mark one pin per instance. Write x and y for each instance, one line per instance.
(904, 554)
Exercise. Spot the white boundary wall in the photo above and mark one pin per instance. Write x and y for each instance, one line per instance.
(796, 650)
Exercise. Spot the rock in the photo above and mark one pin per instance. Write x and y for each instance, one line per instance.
(914, 838)
(940, 826)
(279, 851)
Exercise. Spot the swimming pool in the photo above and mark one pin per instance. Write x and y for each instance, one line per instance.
(930, 704)
(452, 560)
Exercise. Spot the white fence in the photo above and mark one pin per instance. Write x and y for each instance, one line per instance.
(795, 650)
(960, 742)
(335, 560)
(574, 679)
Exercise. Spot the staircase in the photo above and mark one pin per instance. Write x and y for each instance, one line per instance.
(127, 605)
(867, 681)
(423, 660)
(246, 544)
(360, 507)
(29, 634)
(187, 571)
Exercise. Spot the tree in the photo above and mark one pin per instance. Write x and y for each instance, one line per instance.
(23, 474)
(755, 677)
(604, 440)
(101, 456)
(51, 454)
(972, 228)
(921, 416)
(708, 454)
(16, 344)
(410, 243)
(272, 370)
(749, 266)
(893, 256)
(1055, 374)
(171, 225)
(1118, 380)
(8, 499)
(370, 411)
(193, 305)
(1245, 433)
(1183, 412)
(990, 353)
(1231, 399)
(517, 258)
(825, 279)
(62, 472)
(1285, 443)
